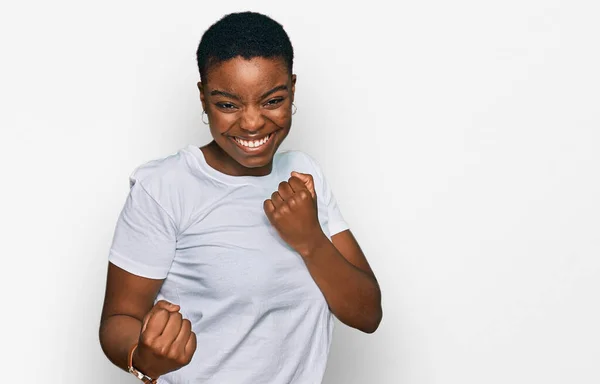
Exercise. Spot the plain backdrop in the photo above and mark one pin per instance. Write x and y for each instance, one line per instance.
(460, 138)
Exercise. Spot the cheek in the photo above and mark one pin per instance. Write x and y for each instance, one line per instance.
(222, 122)
(281, 117)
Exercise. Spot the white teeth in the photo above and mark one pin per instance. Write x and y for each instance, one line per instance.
(255, 143)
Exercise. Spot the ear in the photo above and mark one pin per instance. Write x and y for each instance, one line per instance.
(201, 89)
(293, 87)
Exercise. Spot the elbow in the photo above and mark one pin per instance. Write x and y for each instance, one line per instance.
(374, 315)
(102, 338)
(373, 322)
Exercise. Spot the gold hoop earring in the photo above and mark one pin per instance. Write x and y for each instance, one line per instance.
(204, 114)
(295, 109)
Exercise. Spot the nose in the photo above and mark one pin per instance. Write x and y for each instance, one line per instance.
(252, 120)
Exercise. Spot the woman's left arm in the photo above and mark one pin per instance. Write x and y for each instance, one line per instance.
(338, 267)
(342, 273)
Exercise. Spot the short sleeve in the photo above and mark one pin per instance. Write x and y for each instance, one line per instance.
(145, 236)
(335, 222)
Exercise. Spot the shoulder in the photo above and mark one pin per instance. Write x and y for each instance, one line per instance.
(166, 180)
(299, 161)
(159, 170)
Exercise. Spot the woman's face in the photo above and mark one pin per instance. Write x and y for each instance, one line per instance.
(249, 107)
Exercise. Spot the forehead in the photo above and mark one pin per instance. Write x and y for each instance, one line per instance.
(247, 76)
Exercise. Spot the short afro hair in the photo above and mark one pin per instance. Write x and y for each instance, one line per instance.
(245, 34)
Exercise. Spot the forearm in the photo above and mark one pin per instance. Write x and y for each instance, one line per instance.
(118, 333)
(352, 294)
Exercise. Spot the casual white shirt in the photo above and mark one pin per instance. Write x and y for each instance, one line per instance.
(257, 313)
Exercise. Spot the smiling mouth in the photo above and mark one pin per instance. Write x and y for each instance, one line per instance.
(254, 144)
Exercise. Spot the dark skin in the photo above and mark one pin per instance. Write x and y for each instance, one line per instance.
(247, 99)
(249, 106)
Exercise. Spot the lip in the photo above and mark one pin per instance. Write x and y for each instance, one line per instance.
(255, 150)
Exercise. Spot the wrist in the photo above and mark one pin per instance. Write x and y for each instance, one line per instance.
(138, 365)
(312, 247)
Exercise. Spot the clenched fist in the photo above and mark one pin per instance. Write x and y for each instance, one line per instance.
(292, 210)
(166, 341)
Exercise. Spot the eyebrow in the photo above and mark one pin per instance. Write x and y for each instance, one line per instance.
(217, 92)
(277, 88)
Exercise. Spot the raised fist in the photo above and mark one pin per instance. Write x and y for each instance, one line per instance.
(292, 210)
(166, 341)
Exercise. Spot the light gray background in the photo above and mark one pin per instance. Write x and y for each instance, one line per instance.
(461, 139)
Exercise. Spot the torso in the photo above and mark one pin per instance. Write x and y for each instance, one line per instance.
(258, 315)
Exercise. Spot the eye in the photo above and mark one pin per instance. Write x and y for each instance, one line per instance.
(226, 106)
(274, 102)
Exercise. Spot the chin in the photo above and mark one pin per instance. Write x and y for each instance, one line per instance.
(255, 162)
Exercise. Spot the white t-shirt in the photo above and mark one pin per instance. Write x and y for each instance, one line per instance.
(257, 313)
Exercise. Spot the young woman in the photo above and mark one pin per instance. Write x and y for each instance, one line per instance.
(229, 260)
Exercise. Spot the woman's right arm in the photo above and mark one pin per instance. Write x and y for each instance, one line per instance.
(141, 254)
(165, 340)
